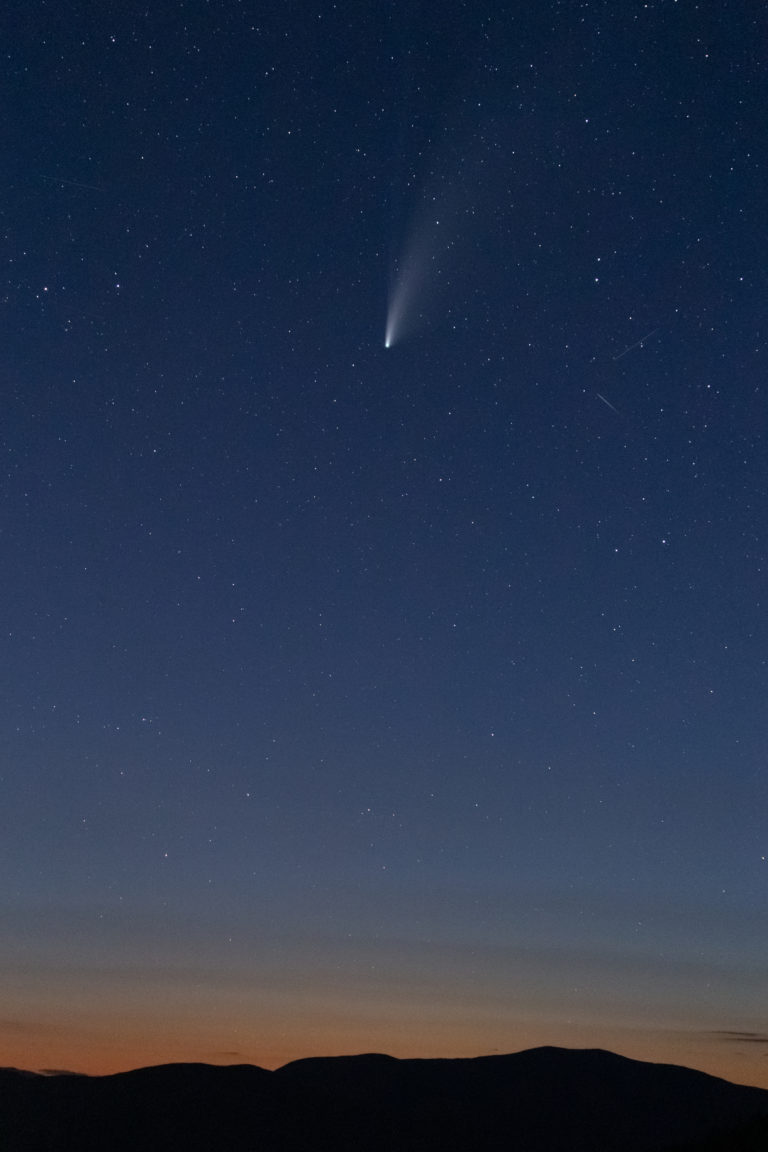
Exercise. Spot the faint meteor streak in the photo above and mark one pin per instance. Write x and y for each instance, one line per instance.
(636, 344)
(71, 183)
(608, 402)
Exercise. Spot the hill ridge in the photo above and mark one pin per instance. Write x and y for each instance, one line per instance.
(543, 1099)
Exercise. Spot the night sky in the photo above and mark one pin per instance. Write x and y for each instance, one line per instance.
(384, 531)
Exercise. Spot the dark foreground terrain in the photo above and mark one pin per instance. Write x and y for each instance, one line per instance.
(543, 1100)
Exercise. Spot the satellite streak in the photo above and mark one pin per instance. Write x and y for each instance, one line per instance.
(636, 344)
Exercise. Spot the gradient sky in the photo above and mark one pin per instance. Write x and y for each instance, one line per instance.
(356, 698)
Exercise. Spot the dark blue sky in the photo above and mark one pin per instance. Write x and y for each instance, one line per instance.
(360, 698)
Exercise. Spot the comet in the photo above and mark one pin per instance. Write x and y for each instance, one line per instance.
(403, 312)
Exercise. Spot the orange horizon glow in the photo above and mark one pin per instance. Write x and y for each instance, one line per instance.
(99, 1053)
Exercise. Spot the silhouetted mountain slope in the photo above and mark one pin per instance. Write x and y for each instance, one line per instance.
(750, 1137)
(543, 1100)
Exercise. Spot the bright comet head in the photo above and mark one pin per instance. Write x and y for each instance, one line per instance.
(390, 332)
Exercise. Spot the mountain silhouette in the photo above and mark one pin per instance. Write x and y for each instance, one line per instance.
(542, 1100)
